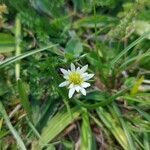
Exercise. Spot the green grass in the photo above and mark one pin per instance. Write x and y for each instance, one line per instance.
(37, 38)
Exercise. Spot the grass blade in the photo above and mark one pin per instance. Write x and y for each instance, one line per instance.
(125, 127)
(146, 141)
(23, 55)
(144, 114)
(33, 128)
(12, 129)
(24, 97)
(129, 47)
(18, 48)
(57, 124)
(87, 140)
(136, 58)
(113, 127)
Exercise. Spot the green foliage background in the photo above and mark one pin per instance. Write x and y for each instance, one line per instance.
(38, 37)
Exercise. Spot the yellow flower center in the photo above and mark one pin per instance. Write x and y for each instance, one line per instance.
(75, 78)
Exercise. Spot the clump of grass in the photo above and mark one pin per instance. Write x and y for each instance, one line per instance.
(40, 37)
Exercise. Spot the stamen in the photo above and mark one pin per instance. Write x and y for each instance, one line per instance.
(75, 78)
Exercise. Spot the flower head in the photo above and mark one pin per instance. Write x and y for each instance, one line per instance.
(76, 79)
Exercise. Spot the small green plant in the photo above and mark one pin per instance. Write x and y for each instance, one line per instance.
(108, 42)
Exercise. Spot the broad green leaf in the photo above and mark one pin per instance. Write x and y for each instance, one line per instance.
(74, 47)
(11, 128)
(57, 124)
(82, 5)
(7, 43)
(90, 21)
(6, 38)
(7, 48)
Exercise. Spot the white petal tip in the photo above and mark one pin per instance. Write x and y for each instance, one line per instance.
(72, 66)
(65, 83)
(71, 92)
(65, 72)
(83, 91)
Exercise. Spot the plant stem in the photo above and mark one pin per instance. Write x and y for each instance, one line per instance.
(18, 48)
(11, 128)
(95, 28)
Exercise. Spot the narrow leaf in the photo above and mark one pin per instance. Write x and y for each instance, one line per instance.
(87, 142)
(23, 55)
(135, 88)
(24, 97)
(129, 47)
(11, 128)
(57, 124)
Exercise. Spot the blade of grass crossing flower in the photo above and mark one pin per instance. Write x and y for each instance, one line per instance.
(24, 97)
(57, 124)
(127, 131)
(11, 128)
(115, 60)
(87, 139)
(24, 55)
(18, 48)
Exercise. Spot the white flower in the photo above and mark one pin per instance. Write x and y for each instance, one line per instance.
(76, 79)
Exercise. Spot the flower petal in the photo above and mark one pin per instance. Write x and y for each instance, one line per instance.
(77, 88)
(66, 77)
(65, 83)
(71, 92)
(85, 84)
(83, 69)
(71, 86)
(83, 91)
(89, 76)
(72, 67)
(78, 69)
(65, 72)
(84, 74)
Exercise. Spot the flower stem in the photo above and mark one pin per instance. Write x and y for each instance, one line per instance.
(18, 48)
